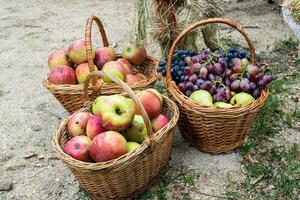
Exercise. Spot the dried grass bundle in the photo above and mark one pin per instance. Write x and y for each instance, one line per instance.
(294, 7)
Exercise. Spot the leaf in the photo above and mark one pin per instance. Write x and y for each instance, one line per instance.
(252, 160)
(255, 180)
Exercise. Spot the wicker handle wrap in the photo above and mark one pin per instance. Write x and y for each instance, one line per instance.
(203, 23)
(88, 39)
(130, 93)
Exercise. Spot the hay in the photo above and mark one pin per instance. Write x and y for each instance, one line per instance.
(294, 7)
(164, 29)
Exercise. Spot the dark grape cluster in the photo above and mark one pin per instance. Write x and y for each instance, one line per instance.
(223, 74)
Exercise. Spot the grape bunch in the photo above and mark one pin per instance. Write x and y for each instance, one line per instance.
(235, 53)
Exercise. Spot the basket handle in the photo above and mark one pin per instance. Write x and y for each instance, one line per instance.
(88, 39)
(130, 93)
(187, 30)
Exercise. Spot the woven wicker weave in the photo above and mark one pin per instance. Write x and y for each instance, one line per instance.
(70, 96)
(131, 174)
(209, 129)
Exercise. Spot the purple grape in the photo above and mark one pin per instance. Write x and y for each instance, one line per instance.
(253, 70)
(195, 67)
(189, 85)
(193, 78)
(211, 77)
(188, 93)
(233, 77)
(206, 85)
(218, 78)
(228, 72)
(244, 85)
(252, 85)
(195, 87)
(207, 50)
(199, 82)
(256, 93)
(188, 70)
(186, 77)
(255, 78)
(227, 82)
(228, 94)
(203, 73)
(267, 79)
(181, 87)
(212, 89)
(218, 68)
(235, 85)
(237, 69)
(210, 68)
(236, 62)
(261, 84)
(195, 59)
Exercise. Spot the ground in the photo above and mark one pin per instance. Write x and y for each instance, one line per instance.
(30, 30)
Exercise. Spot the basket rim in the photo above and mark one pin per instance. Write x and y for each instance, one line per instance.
(122, 161)
(75, 88)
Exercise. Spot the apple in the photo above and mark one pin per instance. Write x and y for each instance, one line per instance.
(59, 57)
(222, 105)
(202, 97)
(114, 68)
(137, 131)
(82, 71)
(77, 52)
(131, 146)
(151, 102)
(94, 127)
(124, 62)
(159, 122)
(136, 54)
(104, 55)
(77, 123)
(78, 148)
(132, 78)
(108, 146)
(142, 76)
(116, 112)
(62, 74)
(157, 93)
(242, 99)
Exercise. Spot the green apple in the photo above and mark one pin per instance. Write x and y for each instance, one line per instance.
(202, 97)
(222, 105)
(114, 68)
(242, 99)
(131, 146)
(136, 132)
(116, 112)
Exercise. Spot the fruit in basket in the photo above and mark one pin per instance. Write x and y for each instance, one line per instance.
(222, 105)
(136, 132)
(62, 74)
(77, 123)
(202, 97)
(104, 55)
(131, 146)
(114, 68)
(136, 54)
(78, 148)
(131, 78)
(94, 127)
(151, 102)
(142, 76)
(157, 93)
(124, 62)
(115, 111)
(108, 146)
(59, 57)
(159, 122)
(77, 52)
(242, 99)
(82, 71)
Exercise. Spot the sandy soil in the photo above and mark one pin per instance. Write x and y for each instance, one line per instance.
(29, 31)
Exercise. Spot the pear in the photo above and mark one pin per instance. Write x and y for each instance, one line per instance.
(202, 97)
(242, 99)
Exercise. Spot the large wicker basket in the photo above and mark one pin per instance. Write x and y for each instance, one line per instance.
(131, 174)
(209, 129)
(70, 96)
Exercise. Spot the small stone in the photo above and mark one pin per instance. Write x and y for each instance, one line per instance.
(36, 128)
(41, 156)
(5, 185)
(30, 155)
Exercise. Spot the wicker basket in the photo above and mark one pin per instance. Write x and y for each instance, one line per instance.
(70, 96)
(209, 129)
(132, 173)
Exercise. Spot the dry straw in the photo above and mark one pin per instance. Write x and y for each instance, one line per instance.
(128, 175)
(70, 96)
(209, 129)
(294, 7)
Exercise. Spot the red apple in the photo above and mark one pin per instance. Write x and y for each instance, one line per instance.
(136, 54)
(62, 74)
(77, 123)
(131, 78)
(157, 93)
(77, 52)
(94, 127)
(82, 71)
(107, 146)
(78, 148)
(114, 68)
(104, 55)
(159, 122)
(124, 62)
(59, 57)
(151, 103)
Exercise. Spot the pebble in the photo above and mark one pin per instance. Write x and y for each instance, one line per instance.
(41, 156)
(5, 185)
(36, 128)
(30, 155)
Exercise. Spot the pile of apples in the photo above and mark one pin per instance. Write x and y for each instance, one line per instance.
(71, 66)
(114, 127)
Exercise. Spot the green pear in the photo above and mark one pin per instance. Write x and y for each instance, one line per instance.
(222, 105)
(242, 99)
(131, 146)
(202, 97)
(136, 132)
